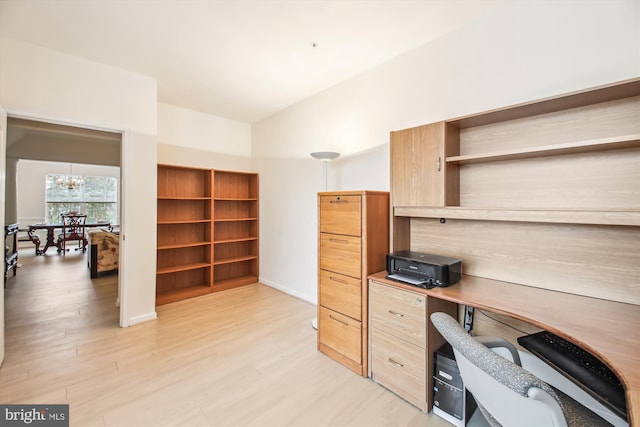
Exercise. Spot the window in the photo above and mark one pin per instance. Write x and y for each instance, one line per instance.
(97, 196)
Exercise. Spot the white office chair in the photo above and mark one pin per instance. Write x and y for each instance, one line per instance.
(506, 394)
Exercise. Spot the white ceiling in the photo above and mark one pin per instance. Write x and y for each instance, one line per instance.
(240, 59)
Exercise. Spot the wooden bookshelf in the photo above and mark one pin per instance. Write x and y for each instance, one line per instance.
(207, 231)
(235, 229)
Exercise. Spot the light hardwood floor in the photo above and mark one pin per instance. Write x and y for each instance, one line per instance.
(243, 357)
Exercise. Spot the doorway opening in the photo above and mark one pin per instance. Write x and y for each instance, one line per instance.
(43, 146)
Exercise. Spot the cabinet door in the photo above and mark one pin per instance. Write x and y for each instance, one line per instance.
(417, 166)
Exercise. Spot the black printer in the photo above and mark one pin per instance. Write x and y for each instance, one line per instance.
(423, 270)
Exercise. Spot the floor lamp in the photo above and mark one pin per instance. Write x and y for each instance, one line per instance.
(325, 157)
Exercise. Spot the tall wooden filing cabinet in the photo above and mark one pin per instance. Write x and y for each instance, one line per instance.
(353, 240)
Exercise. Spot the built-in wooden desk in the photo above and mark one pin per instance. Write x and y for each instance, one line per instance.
(610, 330)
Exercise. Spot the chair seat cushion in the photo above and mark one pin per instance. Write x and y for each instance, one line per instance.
(71, 236)
(577, 415)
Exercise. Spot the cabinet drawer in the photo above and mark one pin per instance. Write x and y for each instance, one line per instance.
(341, 333)
(400, 367)
(398, 312)
(341, 293)
(340, 215)
(340, 254)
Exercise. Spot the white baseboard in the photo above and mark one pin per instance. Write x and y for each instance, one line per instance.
(142, 318)
(287, 290)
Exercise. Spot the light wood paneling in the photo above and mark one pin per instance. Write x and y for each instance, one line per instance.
(610, 119)
(602, 262)
(595, 181)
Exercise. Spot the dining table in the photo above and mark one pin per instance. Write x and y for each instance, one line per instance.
(33, 228)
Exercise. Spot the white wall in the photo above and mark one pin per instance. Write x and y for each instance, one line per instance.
(192, 129)
(51, 86)
(191, 138)
(525, 50)
(31, 175)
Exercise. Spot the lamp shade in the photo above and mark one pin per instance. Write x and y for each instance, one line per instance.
(325, 155)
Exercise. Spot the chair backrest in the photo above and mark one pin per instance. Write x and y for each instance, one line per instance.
(507, 394)
(73, 224)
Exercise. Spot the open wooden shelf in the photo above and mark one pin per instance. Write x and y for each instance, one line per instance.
(183, 245)
(234, 219)
(235, 199)
(240, 239)
(183, 293)
(182, 267)
(595, 145)
(553, 104)
(189, 221)
(220, 285)
(568, 216)
(182, 198)
(234, 259)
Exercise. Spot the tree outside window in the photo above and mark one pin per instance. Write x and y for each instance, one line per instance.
(97, 197)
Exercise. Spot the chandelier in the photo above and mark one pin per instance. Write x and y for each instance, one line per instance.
(70, 182)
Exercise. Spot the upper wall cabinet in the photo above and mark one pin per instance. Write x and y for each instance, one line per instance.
(420, 175)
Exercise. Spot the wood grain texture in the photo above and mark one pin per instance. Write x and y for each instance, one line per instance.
(403, 340)
(353, 240)
(597, 261)
(399, 313)
(610, 119)
(597, 325)
(243, 357)
(417, 166)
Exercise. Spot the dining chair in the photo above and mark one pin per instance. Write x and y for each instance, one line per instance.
(73, 230)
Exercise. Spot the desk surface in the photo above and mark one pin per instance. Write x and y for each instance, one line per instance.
(610, 330)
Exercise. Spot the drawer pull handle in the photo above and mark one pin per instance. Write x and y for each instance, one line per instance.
(343, 241)
(338, 320)
(395, 313)
(398, 364)
(338, 200)
(335, 279)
